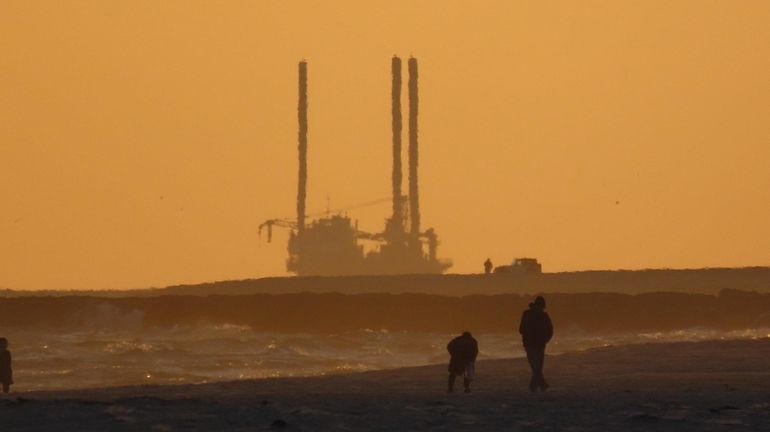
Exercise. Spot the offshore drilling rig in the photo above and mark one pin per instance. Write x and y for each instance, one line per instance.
(329, 246)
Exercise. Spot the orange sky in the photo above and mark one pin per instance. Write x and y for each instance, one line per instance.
(142, 142)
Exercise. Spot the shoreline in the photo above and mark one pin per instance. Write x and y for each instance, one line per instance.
(691, 385)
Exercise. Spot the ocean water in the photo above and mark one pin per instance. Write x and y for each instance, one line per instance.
(49, 360)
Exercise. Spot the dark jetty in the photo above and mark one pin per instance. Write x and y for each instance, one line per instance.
(334, 312)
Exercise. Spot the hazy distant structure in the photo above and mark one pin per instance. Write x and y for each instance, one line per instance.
(302, 146)
(414, 155)
(329, 246)
(398, 211)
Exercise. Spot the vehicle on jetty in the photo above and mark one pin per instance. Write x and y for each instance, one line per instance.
(521, 266)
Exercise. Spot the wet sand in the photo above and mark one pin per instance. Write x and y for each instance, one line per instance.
(678, 386)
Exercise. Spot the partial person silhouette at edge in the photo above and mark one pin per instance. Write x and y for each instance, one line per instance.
(488, 266)
(6, 373)
(463, 351)
(536, 331)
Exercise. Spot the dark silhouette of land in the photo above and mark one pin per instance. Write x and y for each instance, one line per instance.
(700, 281)
(704, 281)
(333, 312)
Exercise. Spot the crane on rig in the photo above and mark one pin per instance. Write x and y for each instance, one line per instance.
(289, 223)
(270, 223)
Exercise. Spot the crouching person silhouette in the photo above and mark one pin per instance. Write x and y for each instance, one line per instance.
(536, 330)
(6, 374)
(463, 351)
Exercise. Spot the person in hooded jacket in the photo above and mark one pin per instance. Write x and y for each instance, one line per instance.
(6, 374)
(463, 351)
(536, 331)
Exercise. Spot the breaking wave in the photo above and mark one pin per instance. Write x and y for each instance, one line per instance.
(45, 360)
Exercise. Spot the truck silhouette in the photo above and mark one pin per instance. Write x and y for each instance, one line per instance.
(521, 266)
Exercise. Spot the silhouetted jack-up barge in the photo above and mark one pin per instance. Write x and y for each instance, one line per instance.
(330, 246)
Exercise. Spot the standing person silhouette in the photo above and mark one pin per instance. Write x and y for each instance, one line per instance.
(536, 331)
(6, 374)
(488, 266)
(463, 351)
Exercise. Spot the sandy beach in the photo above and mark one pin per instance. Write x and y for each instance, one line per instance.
(675, 386)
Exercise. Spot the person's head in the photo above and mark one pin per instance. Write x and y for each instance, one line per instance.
(466, 334)
(539, 302)
(3, 343)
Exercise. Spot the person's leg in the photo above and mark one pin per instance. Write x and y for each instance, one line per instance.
(451, 383)
(532, 359)
(6, 387)
(470, 371)
(539, 359)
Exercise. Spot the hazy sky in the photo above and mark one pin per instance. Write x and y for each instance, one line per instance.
(143, 142)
